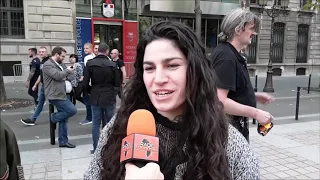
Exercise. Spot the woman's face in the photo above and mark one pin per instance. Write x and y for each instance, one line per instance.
(72, 60)
(164, 75)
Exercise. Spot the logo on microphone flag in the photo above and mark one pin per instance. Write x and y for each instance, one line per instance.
(140, 147)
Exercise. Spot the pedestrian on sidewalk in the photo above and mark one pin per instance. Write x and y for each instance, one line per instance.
(105, 82)
(10, 160)
(57, 86)
(173, 81)
(33, 75)
(121, 69)
(77, 82)
(89, 56)
(235, 90)
(43, 52)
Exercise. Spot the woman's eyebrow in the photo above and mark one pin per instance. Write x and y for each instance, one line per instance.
(166, 60)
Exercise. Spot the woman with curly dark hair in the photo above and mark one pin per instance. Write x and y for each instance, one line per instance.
(173, 79)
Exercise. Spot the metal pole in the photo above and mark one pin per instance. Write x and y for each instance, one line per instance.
(297, 104)
(309, 83)
(198, 13)
(268, 87)
(255, 90)
(52, 126)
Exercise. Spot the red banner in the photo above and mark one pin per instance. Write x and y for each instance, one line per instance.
(130, 41)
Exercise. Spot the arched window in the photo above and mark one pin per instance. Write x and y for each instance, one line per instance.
(278, 42)
(252, 72)
(302, 43)
(301, 72)
(277, 72)
(12, 19)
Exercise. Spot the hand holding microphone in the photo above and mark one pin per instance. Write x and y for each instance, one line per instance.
(149, 171)
(140, 149)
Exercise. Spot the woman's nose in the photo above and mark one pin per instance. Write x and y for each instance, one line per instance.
(160, 76)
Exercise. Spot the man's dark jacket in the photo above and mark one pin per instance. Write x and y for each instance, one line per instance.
(105, 81)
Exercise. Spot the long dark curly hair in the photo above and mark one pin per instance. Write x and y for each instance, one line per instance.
(206, 123)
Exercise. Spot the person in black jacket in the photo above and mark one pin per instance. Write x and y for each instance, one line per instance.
(105, 82)
(10, 161)
(41, 97)
(34, 74)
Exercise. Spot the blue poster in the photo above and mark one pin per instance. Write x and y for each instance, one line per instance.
(84, 35)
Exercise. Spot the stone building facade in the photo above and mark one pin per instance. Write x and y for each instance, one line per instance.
(34, 23)
(299, 51)
(46, 23)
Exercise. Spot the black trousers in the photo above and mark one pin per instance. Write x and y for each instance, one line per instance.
(242, 124)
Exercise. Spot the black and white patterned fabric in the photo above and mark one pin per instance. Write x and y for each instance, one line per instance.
(243, 165)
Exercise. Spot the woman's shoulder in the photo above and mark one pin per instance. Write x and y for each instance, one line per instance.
(242, 160)
(94, 170)
(106, 131)
(236, 141)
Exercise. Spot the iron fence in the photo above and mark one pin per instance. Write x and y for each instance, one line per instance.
(21, 71)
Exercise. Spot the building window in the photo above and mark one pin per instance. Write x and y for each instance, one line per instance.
(209, 28)
(188, 22)
(252, 49)
(11, 19)
(303, 3)
(253, 1)
(301, 72)
(157, 19)
(212, 34)
(130, 9)
(277, 72)
(252, 72)
(278, 42)
(302, 43)
(144, 23)
(83, 8)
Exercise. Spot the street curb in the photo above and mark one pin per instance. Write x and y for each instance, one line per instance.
(35, 141)
(83, 109)
(27, 112)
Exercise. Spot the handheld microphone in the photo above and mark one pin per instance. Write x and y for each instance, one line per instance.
(140, 146)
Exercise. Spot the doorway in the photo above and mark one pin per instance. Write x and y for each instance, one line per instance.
(109, 33)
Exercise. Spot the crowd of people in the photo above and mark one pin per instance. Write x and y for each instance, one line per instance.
(95, 83)
(201, 105)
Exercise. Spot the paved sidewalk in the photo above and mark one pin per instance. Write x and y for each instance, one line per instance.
(289, 151)
(56, 163)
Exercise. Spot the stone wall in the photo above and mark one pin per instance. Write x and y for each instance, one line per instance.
(47, 23)
(314, 52)
(292, 20)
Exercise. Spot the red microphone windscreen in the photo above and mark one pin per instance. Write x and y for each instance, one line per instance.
(141, 121)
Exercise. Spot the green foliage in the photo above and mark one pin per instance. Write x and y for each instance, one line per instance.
(312, 5)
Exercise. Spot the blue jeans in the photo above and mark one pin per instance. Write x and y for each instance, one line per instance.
(99, 115)
(41, 100)
(88, 108)
(65, 109)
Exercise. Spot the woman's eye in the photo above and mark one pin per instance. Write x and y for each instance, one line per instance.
(148, 68)
(173, 66)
